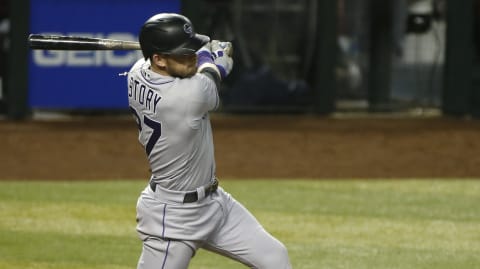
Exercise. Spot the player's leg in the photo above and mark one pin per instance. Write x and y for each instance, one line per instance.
(242, 238)
(165, 254)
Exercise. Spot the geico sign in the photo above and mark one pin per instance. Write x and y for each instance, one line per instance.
(72, 58)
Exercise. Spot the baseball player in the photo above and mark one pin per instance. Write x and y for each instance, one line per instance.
(183, 208)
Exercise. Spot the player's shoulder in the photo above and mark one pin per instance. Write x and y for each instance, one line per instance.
(198, 87)
(201, 81)
(139, 64)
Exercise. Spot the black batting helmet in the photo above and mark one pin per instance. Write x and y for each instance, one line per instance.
(170, 33)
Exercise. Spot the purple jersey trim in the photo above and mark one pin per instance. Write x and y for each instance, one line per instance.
(159, 83)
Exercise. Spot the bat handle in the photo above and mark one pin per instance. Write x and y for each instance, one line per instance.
(226, 46)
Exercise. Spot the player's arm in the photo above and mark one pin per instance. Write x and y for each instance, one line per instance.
(214, 61)
(206, 64)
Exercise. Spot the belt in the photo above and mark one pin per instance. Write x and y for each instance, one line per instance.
(191, 197)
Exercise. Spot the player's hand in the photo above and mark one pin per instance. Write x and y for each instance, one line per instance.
(221, 52)
(204, 55)
(205, 59)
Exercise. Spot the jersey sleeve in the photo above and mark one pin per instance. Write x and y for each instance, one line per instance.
(202, 97)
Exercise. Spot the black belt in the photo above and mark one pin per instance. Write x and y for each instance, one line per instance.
(191, 197)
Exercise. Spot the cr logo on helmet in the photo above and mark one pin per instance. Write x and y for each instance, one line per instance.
(188, 29)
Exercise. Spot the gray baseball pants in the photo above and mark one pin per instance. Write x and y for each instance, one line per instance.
(172, 231)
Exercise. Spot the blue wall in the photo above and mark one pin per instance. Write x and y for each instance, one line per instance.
(86, 79)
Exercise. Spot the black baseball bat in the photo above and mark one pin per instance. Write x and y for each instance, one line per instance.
(61, 42)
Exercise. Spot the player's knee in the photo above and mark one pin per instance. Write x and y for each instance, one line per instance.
(276, 258)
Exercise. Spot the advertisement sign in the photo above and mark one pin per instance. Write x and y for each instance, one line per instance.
(86, 79)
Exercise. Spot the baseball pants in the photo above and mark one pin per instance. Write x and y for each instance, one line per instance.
(172, 232)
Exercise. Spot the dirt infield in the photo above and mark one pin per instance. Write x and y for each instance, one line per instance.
(251, 147)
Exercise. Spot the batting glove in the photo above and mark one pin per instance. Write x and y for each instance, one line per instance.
(205, 59)
(221, 54)
(204, 55)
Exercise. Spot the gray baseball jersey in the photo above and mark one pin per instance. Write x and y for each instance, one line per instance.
(172, 115)
(174, 128)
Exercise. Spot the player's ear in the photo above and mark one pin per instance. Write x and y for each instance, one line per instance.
(159, 60)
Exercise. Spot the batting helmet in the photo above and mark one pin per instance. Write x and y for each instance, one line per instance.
(170, 33)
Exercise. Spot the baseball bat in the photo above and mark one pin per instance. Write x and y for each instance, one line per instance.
(60, 42)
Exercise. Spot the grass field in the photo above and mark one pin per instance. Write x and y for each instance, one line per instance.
(324, 224)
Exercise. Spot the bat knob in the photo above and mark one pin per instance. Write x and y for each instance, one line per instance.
(226, 46)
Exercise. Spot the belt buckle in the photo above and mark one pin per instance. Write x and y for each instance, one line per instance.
(193, 196)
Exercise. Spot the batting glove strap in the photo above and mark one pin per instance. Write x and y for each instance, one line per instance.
(205, 62)
(204, 57)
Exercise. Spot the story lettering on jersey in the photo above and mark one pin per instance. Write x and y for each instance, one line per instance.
(144, 95)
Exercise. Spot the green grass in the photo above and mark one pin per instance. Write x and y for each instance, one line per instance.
(324, 224)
